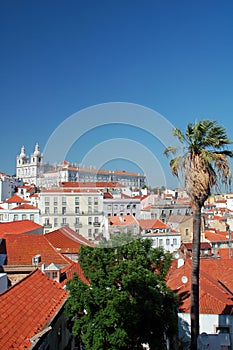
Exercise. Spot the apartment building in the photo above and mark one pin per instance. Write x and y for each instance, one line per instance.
(80, 209)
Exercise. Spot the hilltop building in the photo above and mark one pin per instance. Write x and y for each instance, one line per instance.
(33, 171)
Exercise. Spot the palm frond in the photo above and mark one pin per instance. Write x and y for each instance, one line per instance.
(178, 133)
(176, 165)
(170, 150)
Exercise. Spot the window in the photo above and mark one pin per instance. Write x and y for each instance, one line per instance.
(63, 200)
(54, 274)
(46, 210)
(89, 233)
(95, 210)
(16, 217)
(32, 217)
(167, 241)
(187, 231)
(174, 241)
(77, 221)
(63, 221)
(47, 274)
(109, 206)
(76, 200)
(76, 210)
(24, 217)
(122, 207)
(1, 217)
(63, 210)
(89, 220)
(46, 221)
(46, 200)
(55, 210)
(96, 219)
(160, 242)
(55, 201)
(89, 200)
(96, 201)
(89, 210)
(55, 222)
(128, 206)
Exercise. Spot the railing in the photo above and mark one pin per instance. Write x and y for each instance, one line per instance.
(47, 225)
(96, 224)
(78, 225)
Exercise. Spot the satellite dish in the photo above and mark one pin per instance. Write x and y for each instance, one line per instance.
(184, 279)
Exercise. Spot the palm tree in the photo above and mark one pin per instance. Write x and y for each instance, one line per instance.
(202, 162)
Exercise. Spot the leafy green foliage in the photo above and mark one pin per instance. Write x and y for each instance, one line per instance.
(127, 302)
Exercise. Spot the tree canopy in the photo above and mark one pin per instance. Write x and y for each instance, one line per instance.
(127, 302)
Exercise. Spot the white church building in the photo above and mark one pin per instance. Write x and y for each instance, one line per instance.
(29, 168)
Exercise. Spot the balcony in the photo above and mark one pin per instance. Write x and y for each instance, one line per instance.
(63, 224)
(96, 224)
(47, 225)
(78, 225)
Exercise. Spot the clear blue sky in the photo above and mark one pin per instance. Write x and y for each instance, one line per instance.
(59, 57)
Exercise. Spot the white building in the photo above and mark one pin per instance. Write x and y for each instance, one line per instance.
(161, 235)
(8, 185)
(29, 169)
(16, 208)
(34, 171)
(80, 209)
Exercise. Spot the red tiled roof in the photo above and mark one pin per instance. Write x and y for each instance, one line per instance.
(66, 240)
(214, 297)
(16, 199)
(152, 224)
(90, 184)
(122, 220)
(203, 245)
(68, 272)
(21, 226)
(107, 195)
(27, 308)
(25, 206)
(69, 190)
(215, 237)
(21, 248)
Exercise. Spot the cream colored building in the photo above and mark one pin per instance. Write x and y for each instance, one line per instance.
(80, 209)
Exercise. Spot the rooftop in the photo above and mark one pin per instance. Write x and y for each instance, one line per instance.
(38, 299)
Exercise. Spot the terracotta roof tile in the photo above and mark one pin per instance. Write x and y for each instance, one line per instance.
(25, 206)
(16, 199)
(152, 224)
(21, 226)
(89, 184)
(68, 272)
(122, 220)
(215, 297)
(38, 299)
(67, 240)
(21, 248)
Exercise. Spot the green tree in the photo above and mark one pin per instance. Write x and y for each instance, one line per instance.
(202, 162)
(127, 302)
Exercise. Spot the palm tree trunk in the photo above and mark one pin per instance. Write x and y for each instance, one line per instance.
(195, 276)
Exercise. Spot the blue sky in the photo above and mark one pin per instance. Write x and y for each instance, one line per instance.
(60, 57)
